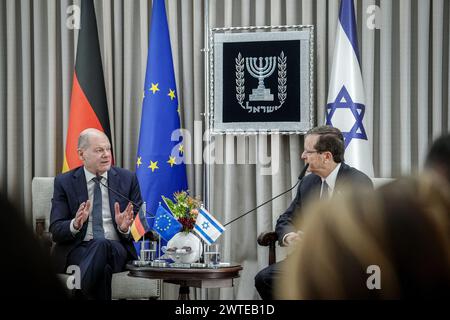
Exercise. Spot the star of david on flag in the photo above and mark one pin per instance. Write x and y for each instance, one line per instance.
(346, 109)
(344, 101)
(207, 227)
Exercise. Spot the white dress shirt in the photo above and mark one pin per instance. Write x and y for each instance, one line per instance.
(331, 180)
(108, 225)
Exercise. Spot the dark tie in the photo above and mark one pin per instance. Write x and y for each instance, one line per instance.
(324, 190)
(97, 217)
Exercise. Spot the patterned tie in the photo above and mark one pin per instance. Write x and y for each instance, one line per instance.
(324, 190)
(97, 217)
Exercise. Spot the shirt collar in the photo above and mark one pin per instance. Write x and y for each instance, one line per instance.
(89, 175)
(331, 179)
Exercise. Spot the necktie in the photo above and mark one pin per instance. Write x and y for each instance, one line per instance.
(324, 190)
(97, 217)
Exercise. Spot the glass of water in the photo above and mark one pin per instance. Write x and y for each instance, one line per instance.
(212, 254)
(148, 251)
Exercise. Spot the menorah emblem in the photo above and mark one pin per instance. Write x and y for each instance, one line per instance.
(261, 72)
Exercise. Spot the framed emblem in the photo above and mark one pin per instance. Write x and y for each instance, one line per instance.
(261, 79)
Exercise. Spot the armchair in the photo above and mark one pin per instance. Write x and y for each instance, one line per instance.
(122, 286)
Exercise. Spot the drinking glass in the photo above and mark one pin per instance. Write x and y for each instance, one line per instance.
(148, 251)
(212, 254)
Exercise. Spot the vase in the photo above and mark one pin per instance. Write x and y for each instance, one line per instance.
(181, 242)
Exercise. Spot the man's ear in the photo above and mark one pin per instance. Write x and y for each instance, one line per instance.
(329, 156)
(80, 154)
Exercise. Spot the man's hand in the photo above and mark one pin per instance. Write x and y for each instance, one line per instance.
(291, 238)
(82, 215)
(124, 219)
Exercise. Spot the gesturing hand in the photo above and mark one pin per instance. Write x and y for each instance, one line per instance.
(82, 215)
(124, 219)
(291, 238)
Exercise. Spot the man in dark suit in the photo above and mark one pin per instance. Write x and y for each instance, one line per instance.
(324, 152)
(89, 223)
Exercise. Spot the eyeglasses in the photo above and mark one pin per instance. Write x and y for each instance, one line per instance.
(311, 151)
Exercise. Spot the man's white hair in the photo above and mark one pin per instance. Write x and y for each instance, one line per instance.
(83, 139)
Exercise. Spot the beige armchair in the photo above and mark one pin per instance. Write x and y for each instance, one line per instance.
(122, 286)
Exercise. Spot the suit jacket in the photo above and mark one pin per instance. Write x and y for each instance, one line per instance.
(309, 189)
(70, 190)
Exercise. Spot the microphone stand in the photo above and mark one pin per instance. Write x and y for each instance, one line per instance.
(99, 178)
(300, 178)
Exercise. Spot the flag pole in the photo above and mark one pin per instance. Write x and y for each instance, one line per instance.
(207, 169)
(159, 238)
(143, 236)
(142, 247)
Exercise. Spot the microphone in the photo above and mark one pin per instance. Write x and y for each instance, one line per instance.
(302, 174)
(300, 179)
(99, 179)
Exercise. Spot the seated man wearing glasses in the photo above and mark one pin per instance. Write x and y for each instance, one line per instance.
(324, 152)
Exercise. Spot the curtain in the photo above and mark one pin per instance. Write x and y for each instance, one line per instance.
(405, 64)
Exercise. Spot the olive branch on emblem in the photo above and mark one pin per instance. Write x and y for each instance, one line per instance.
(282, 78)
(240, 88)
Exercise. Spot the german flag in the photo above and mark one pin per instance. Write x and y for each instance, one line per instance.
(88, 106)
(140, 225)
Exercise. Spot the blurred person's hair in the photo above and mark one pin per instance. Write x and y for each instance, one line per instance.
(26, 265)
(438, 158)
(330, 139)
(403, 228)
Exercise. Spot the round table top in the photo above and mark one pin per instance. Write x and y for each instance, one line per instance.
(175, 273)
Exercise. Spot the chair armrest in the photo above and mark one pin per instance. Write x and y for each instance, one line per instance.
(44, 237)
(267, 238)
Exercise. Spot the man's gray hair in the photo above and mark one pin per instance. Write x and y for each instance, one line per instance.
(83, 140)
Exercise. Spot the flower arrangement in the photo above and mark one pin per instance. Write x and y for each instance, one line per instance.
(184, 208)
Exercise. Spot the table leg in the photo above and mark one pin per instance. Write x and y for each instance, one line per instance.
(183, 293)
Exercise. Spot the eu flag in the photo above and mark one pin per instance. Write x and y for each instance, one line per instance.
(159, 165)
(165, 224)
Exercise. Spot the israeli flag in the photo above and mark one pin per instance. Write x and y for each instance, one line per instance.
(346, 99)
(208, 228)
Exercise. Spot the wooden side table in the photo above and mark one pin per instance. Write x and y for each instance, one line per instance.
(221, 277)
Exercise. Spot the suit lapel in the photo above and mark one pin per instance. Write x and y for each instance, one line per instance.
(341, 176)
(316, 187)
(80, 185)
(113, 183)
(312, 189)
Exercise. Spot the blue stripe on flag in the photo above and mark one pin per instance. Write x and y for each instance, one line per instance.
(207, 217)
(207, 238)
(348, 23)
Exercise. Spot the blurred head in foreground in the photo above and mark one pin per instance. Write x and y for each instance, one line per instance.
(394, 240)
(438, 158)
(26, 267)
